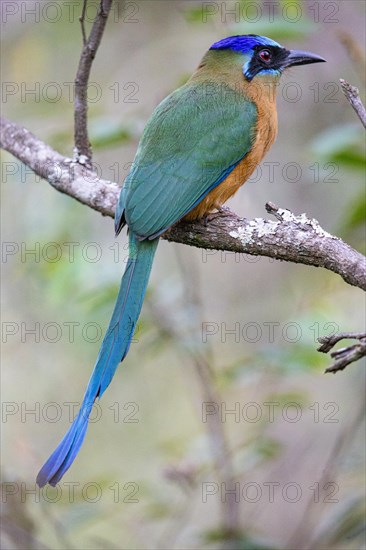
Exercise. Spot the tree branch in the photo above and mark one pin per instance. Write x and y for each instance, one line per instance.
(344, 356)
(291, 238)
(353, 96)
(83, 152)
(64, 174)
(296, 239)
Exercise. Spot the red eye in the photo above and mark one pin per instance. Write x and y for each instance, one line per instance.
(265, 55)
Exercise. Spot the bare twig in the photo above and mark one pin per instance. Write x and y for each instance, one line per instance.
(292, 238)
(220, 450)
(344, 356)
(343, 441)
(222, 457)
(328, 342)
(353, 96)
(82, 21)
(83, 152)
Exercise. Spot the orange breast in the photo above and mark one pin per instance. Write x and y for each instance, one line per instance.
(263, 94)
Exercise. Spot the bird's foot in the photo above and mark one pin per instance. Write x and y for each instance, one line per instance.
(213, 215)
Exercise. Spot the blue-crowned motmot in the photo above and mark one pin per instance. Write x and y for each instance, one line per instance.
(200, 145)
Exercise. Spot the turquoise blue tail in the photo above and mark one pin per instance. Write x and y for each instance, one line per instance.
(114, 349)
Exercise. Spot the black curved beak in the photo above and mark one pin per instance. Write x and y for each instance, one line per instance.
(297, 57)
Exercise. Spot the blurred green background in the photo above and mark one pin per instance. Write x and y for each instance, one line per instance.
(153, 470)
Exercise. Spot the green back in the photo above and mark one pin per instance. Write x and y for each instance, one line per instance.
(193, 140)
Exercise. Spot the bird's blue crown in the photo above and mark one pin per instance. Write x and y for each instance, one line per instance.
(243, 43)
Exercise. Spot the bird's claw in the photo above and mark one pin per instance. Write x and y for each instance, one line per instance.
(213, 215)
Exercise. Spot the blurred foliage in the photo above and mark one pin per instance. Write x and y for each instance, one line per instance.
(345, 146)
(106, 133)
(275, 25)
(347, 528)
(242, 542)
(342, 144)
(279, 29)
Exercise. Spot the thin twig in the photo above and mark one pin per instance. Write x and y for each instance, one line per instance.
(296, 239)
(344, 356)
(343, 441)
(216, 435)
(353, 96)
(83, 152)
(82, 21)
(328, 342)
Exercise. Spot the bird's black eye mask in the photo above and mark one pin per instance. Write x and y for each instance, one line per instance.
(265, 59)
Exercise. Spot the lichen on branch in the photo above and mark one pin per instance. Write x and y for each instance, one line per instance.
(292, 238)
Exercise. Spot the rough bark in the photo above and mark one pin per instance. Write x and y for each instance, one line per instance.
(297, 239)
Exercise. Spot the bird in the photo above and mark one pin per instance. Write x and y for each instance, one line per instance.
(199, 147)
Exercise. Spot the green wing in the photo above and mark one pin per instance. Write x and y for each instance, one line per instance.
(193, 140)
